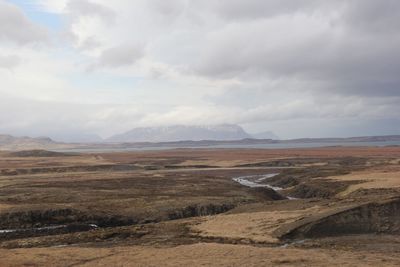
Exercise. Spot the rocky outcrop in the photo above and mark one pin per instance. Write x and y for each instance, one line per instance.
(55, 221)
(44, 218)
(200, 210)
(266, 193)
(312, 191)
(88, 168)
(373, 217)
(24, 224)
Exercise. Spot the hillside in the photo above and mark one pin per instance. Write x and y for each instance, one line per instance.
(9, 142)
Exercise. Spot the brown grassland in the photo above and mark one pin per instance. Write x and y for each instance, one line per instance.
(336, 206)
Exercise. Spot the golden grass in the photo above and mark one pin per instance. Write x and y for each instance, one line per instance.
(256, 226)
(370, 180)
(5, 207)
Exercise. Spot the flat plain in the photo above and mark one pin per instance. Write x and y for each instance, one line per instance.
(330, 206)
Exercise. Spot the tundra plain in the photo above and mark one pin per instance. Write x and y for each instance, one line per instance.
(333, 205)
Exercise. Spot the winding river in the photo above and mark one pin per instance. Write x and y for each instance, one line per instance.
(255, 181)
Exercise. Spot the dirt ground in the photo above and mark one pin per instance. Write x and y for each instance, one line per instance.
(201, 254)
(336, 205)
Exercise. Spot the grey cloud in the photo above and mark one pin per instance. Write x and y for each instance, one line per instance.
(254, 9)
(17, 28)
(369, 15)
(9, 61)
(338, 56)
(167, 7)
(90, 43)
(88, 8)
(373, 16)
(122, 55)
(247, 48)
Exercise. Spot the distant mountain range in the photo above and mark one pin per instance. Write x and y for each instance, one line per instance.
(181, 133)
(251, 142)
(205, 136)
(157, 134)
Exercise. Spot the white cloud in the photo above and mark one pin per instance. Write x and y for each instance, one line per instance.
(259, 63)
(53, 6)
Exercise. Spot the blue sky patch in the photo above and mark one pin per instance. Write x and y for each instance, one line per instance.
(30, 8)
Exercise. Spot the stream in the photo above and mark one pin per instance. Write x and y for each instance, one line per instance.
(255, 181)
(46, 229)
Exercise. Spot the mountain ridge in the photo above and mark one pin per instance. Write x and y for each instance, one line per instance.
(9, 142)
(181, 133)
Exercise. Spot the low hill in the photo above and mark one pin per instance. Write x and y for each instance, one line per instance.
(9, 142)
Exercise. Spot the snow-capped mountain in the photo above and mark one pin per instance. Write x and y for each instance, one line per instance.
(182, 132)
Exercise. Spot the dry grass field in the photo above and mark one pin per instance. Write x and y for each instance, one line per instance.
(336, 205)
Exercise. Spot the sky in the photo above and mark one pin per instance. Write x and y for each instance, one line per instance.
(73, 68)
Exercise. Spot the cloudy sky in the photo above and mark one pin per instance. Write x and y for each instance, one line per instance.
(302, 68)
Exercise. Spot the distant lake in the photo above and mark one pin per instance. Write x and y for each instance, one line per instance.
(313, 145)
(244, 146)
